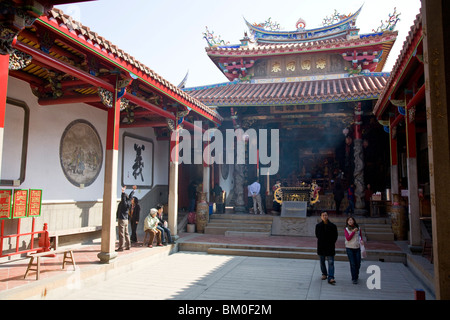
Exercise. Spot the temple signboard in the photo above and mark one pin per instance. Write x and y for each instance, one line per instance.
(34, 203)
(5, 204)
(20, 204)
(16, 204)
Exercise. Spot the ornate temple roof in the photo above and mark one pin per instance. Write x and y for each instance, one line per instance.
(367, 52)
(57, 19)
(236, 93)
(334, 30)
(384, 39)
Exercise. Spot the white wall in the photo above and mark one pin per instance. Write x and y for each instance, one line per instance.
(43, 168)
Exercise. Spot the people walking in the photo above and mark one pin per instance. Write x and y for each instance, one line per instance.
(122, 217)
(327, 234)
(353, 240)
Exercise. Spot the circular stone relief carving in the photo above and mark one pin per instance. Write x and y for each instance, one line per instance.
(81, 153)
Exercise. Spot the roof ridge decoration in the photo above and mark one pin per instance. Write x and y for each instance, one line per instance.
(334, 18)
(390, 23)
(213, 40)
(335, 26)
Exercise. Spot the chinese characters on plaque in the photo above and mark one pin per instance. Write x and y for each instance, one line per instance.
(34, 203)
(5, 204)
(20, 203)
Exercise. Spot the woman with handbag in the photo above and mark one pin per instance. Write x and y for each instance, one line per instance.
(353, 242)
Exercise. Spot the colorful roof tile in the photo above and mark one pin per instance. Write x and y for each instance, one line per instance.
(236, 93)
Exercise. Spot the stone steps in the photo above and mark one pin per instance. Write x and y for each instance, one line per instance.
(239, 225)
(284, 252)
(378, 229)
(272, 254)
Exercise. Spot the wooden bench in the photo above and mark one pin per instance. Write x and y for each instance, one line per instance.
(54, 235)
(68, 257)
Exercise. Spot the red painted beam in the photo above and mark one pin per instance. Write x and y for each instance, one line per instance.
(149, 106)
(397, 120)
(418, 97)
(144, 124)
(61, 65)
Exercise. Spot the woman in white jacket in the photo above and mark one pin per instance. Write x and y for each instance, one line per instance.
(353, 241)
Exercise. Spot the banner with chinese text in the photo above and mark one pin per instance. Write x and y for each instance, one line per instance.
(20, 204)
(5, 204)
(34, 203)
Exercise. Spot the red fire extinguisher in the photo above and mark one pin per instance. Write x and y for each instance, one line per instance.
(44, 240)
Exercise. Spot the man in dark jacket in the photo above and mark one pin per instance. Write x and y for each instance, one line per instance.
(327, 234)
(122, 217)
(134, 214)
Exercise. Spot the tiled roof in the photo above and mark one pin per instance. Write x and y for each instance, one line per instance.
(82, 32)
(284, 93)
(293, 48)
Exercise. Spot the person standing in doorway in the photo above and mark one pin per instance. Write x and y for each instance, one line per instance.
(327, 234)
(122, 217)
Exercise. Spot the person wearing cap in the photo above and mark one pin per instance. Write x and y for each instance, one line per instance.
(151, 228)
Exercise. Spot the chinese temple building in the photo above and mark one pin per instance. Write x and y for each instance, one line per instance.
(316, 86)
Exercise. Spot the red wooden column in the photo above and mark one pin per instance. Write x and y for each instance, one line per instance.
(394, 161)
(4, 71)
(110, 184)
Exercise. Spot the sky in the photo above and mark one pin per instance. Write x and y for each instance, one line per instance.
(167, 35)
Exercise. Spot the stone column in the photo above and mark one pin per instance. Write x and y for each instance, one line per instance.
(359, 163)
(173, 180)
(239, 180)
(436, 43)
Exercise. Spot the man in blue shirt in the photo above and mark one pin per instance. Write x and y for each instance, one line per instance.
(254, 190)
